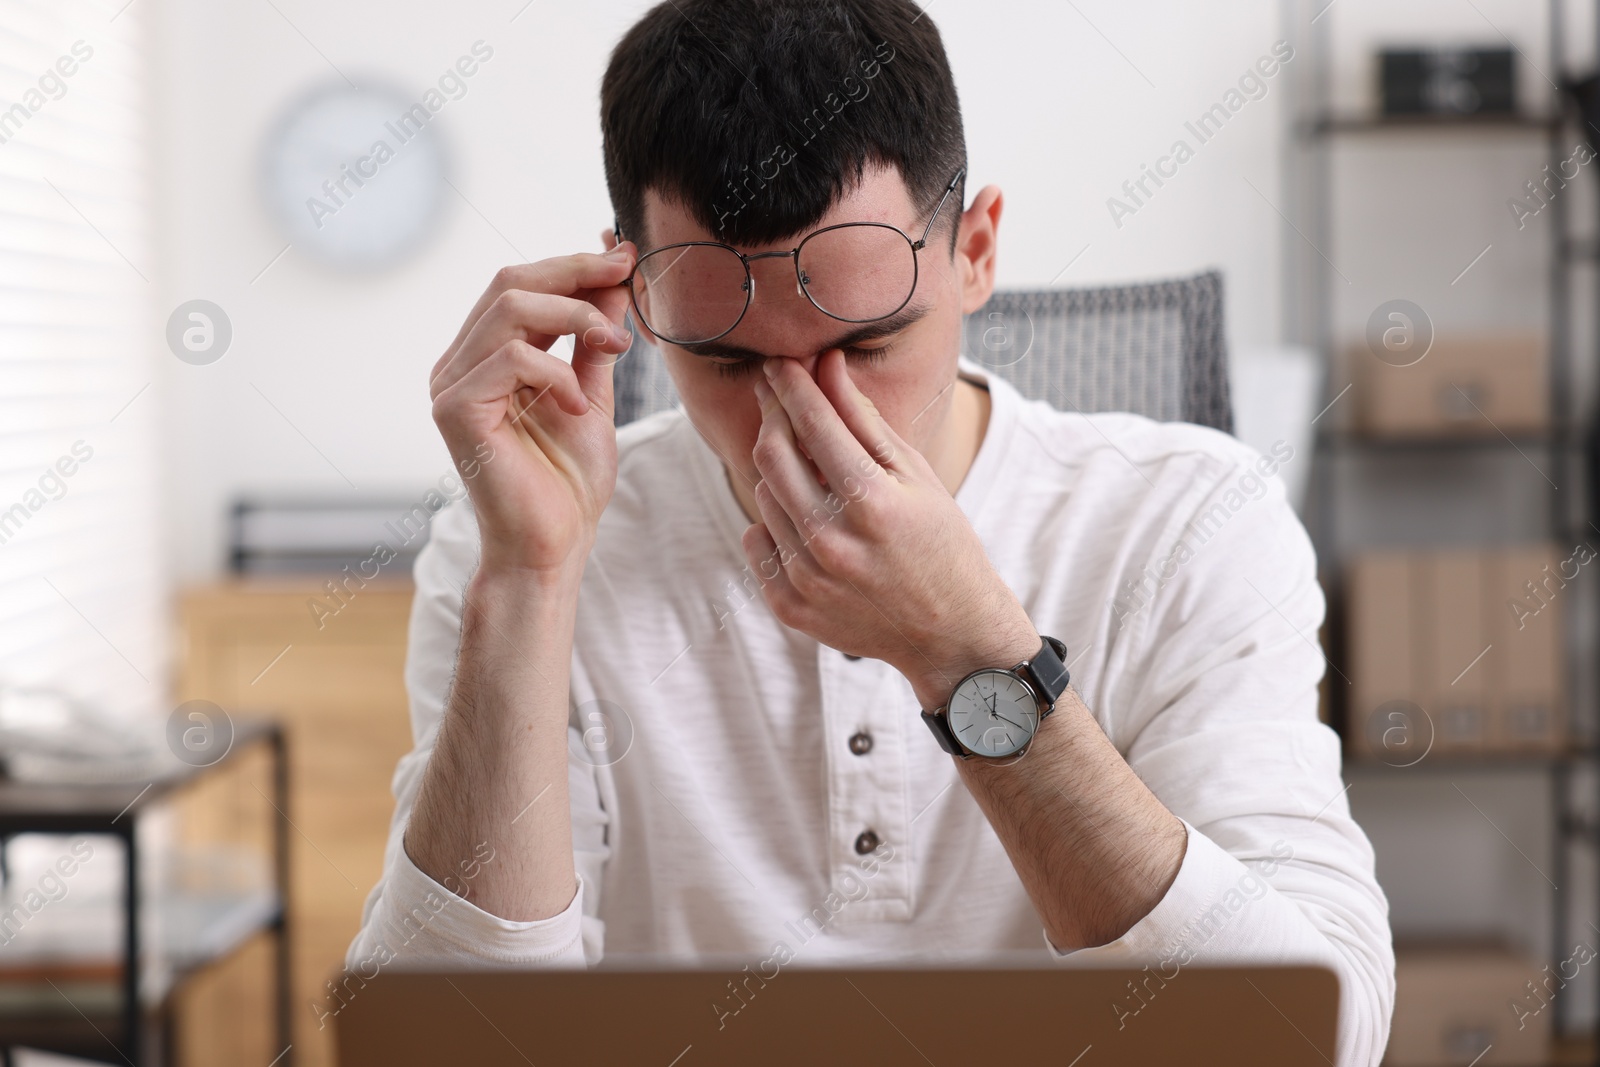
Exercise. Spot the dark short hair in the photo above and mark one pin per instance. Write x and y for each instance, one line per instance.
(757, 115)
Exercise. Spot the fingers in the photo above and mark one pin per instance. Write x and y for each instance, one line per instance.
(601, 338)
(594, 362)
(538, 319)
(815, 423)
(788, 475)
(767, 559)
(560, 276)
(861, 416)
(476, 404)
(788, 543)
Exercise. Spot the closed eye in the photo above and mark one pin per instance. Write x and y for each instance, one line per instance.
(743, 367)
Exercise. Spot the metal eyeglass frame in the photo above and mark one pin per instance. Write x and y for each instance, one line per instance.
(794, 253)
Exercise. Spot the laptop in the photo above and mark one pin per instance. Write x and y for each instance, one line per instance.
(1282, 1016)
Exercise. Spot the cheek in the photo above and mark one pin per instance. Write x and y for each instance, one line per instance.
(901, 393)
(738, 422)
(724, 409)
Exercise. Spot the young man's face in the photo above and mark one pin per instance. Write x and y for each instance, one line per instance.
(907, 372)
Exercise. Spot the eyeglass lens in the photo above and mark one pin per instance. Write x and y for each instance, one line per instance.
(692, 293)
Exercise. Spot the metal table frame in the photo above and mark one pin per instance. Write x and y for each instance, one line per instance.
(108, 810)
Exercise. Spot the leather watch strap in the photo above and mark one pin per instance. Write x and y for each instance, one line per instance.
(1048, 669)
(939, 723)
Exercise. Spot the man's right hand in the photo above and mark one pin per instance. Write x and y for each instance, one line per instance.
(537, 434)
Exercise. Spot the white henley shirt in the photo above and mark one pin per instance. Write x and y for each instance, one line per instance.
(719, 808)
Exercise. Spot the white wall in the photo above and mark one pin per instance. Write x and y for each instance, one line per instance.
(1054, 115)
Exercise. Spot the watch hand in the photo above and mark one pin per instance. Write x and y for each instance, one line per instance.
(1000, 716)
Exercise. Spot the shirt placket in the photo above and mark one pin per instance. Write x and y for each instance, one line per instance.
(869, 826)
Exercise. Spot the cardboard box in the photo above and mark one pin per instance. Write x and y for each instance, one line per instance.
(1452, 639)
(1527, 703)
(1452, 1003)
(1384, 705)
(1457, 651)
(1462, 387)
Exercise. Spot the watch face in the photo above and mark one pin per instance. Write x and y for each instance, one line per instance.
(993, 713)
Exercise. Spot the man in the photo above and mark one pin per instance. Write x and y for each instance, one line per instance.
(718, 680)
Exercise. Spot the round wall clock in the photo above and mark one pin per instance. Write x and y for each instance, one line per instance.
(354, 177)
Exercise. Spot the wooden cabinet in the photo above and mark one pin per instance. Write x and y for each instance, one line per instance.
(339, 691)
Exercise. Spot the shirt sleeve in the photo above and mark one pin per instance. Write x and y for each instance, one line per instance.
(1222, 726)
(409, 918)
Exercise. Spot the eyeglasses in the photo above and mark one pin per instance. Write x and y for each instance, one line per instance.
(699, 291)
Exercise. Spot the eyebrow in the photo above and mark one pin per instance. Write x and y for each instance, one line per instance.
(867, 331)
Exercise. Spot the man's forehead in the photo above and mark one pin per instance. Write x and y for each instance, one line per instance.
(880, 196)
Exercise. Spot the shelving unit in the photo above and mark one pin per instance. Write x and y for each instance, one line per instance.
(114, 1010)
(1559, 451)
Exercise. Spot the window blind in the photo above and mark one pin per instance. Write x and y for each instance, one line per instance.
(82, 594)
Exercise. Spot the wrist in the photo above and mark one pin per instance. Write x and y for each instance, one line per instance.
(548, 584)
(514, 597)
(513, 664)
(1000, 646)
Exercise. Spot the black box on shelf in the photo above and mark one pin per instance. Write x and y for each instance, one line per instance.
(1447, 81)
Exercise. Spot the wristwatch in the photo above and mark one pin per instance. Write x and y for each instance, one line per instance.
(994, 713)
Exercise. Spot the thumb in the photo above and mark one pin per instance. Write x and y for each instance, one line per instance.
(590, 360)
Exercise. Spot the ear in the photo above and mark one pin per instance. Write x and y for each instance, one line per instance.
(976, 247)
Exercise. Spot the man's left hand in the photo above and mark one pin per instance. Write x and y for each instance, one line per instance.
(862, 546)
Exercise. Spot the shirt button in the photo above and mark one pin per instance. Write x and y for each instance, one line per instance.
(851, 658)
(861, 743)
(866, 842)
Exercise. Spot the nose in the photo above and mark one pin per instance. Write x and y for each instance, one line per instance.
(807, 363)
